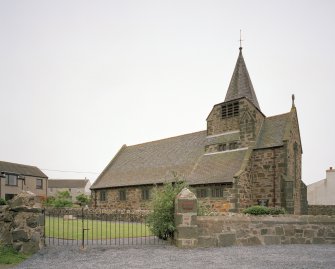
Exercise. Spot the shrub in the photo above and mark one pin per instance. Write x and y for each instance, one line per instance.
(62, 203)
(62, 199)
(161, 219)
(3, 201)
(83, 199)
(277, 210)
(49, 201)
(263, 210)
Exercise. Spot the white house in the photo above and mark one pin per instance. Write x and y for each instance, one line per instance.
(322, 192)
(73, 186)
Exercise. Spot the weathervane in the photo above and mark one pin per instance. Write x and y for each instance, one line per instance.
(241, 39)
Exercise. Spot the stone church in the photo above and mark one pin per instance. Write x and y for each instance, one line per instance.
(243, 158)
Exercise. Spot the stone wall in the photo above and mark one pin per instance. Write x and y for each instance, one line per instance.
(236, 229)
(268, 166)
(321, 210)
(243, 230)
(22, 223)
(133, 201)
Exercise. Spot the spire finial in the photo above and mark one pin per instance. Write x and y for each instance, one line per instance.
(293, 99)
(241, 39)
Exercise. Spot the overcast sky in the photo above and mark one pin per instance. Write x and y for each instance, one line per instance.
(78, 79)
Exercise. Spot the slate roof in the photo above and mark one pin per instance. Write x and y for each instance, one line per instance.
(21, 169)
(217, 168)
(67, 183)
(273, 131)
(240, 84)
(155, 162)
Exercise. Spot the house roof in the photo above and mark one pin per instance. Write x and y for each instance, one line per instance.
(156, 162)
(67, 183)
(240, 84)
(273, 131)
(21, 169)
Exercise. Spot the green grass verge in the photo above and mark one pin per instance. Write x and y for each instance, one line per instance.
(10, 256)
(72, 229)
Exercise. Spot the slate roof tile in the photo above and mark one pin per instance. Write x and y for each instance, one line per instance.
(21, 169)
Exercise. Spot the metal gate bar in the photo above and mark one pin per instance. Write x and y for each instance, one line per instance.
(79, 226)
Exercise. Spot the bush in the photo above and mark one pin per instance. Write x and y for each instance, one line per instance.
(49, 201)
(3, 201)
(263, 210)
(83, 199)
(257, 210)
(62, 199)
(62, 203)
(277, 211)
(161, 219)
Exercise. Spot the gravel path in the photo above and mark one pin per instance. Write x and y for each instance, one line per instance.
(274, 257)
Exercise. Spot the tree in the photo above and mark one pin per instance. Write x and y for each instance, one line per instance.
(161, 219)
(63, 199)
(83, 199)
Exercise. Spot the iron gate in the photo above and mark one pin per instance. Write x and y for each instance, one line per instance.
(79, 226)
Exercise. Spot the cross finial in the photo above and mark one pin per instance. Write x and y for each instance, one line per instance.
(293, 99)
(241, 39)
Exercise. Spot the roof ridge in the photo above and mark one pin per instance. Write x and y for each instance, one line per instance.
(279, 115)
(108, 165)
(158, 140)
(20, 164)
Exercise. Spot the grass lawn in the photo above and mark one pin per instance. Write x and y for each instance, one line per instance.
(72, 229)
(9, 256)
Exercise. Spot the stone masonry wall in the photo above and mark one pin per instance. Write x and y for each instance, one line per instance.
(242, 230)
(133, 200)
(294, 155)
(321, 210)
(268, 168)
(22, 223)
(249, 121)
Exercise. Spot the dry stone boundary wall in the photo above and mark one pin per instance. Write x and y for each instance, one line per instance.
(22, 223)
(246, 230)
(243, 230)
(321, 210)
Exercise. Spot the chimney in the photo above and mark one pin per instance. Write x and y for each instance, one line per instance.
(330, 174)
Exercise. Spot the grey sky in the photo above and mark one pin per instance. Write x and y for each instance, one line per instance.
(80, 78)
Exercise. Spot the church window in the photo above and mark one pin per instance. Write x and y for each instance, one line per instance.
(217, 192)
(122, 195)
(102, 196)
(145, 194)
(201, 193)
(233, 145)
(222, 147)
(230, 110)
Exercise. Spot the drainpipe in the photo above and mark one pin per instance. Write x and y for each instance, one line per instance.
(274, 177)
(1, 176)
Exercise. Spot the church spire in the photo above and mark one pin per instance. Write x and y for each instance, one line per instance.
(240, 84)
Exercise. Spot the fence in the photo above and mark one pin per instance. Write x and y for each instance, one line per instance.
(70, 226)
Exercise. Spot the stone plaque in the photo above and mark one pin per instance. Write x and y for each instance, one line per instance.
(187, 205)
(263, 202)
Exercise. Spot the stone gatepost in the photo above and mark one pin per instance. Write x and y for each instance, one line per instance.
(22, 223)
(186, 234)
